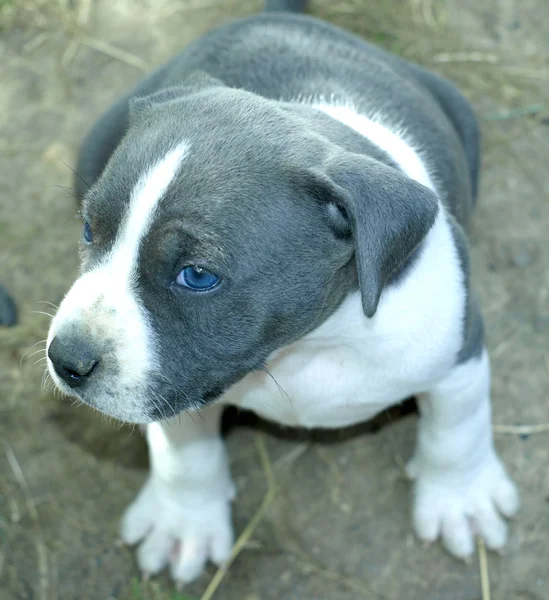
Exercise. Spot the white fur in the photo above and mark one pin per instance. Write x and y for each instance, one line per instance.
(185, 503)
(103, 302)
(461, 486)
(143, 203)
(394, 143)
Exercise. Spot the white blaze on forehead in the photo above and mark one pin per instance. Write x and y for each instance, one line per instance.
(143, 203)
(103, 303)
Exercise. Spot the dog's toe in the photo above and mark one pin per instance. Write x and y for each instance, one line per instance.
(457, 535)
(154, 552)
(459, 508)
(506, 497)
(221, 546)
(190, 560)
(171, 531)
(137, 521)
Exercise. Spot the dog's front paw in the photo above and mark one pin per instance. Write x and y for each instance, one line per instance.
(459, 504)
(171, 530)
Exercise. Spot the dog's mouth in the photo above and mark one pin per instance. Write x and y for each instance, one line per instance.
(124, 403)
(154, 398)
(168, 404)
(159, 411)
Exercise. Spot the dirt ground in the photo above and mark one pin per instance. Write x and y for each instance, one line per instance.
(337, 527)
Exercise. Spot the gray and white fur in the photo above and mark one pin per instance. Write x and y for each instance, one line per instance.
(326, 186)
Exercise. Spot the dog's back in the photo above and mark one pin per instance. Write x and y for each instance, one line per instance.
(291, 57)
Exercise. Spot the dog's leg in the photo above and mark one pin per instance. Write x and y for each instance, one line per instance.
(461, 487)
(182, 515)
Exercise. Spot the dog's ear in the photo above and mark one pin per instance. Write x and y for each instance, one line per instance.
(196, 82)
(384, 213)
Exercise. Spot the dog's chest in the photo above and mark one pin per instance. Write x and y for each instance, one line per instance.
(322, 387)
(337, 380)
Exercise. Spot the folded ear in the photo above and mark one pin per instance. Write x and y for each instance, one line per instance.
(386, 213)
(196, 82)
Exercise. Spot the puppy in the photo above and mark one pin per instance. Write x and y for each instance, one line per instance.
(282, 201)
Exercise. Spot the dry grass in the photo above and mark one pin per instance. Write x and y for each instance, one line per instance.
(484, 574)
(418, 30)
(252, 524)
(522, 429)
(41, 550)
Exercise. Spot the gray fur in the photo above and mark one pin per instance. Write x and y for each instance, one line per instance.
(385, 233)
(286, 56)
(473, 327)
(291, 207)
(285, 5)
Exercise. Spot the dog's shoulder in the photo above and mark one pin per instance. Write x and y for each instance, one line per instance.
(450, 244)
(351, 367)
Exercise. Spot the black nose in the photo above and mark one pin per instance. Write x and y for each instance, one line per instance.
(74, 359)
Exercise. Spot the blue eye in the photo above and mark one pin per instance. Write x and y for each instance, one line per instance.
(87, 233)
(197, 278)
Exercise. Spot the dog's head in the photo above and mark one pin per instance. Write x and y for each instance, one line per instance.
(223, 228)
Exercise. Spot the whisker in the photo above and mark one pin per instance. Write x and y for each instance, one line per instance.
(169, 381)
(77, 174)
(40, 312)
(161, 411)
(158, 396)
(43, 383)
(48, 383)
(29, 349)
(175, 392)
(50, 303)
(167, 404)
(39, 360)
(35, 353)
(158, 408)
(67, 190)
(121, 424)
(52, 388)
(282, 391)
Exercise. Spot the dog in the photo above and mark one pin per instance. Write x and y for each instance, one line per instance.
(282, 204)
